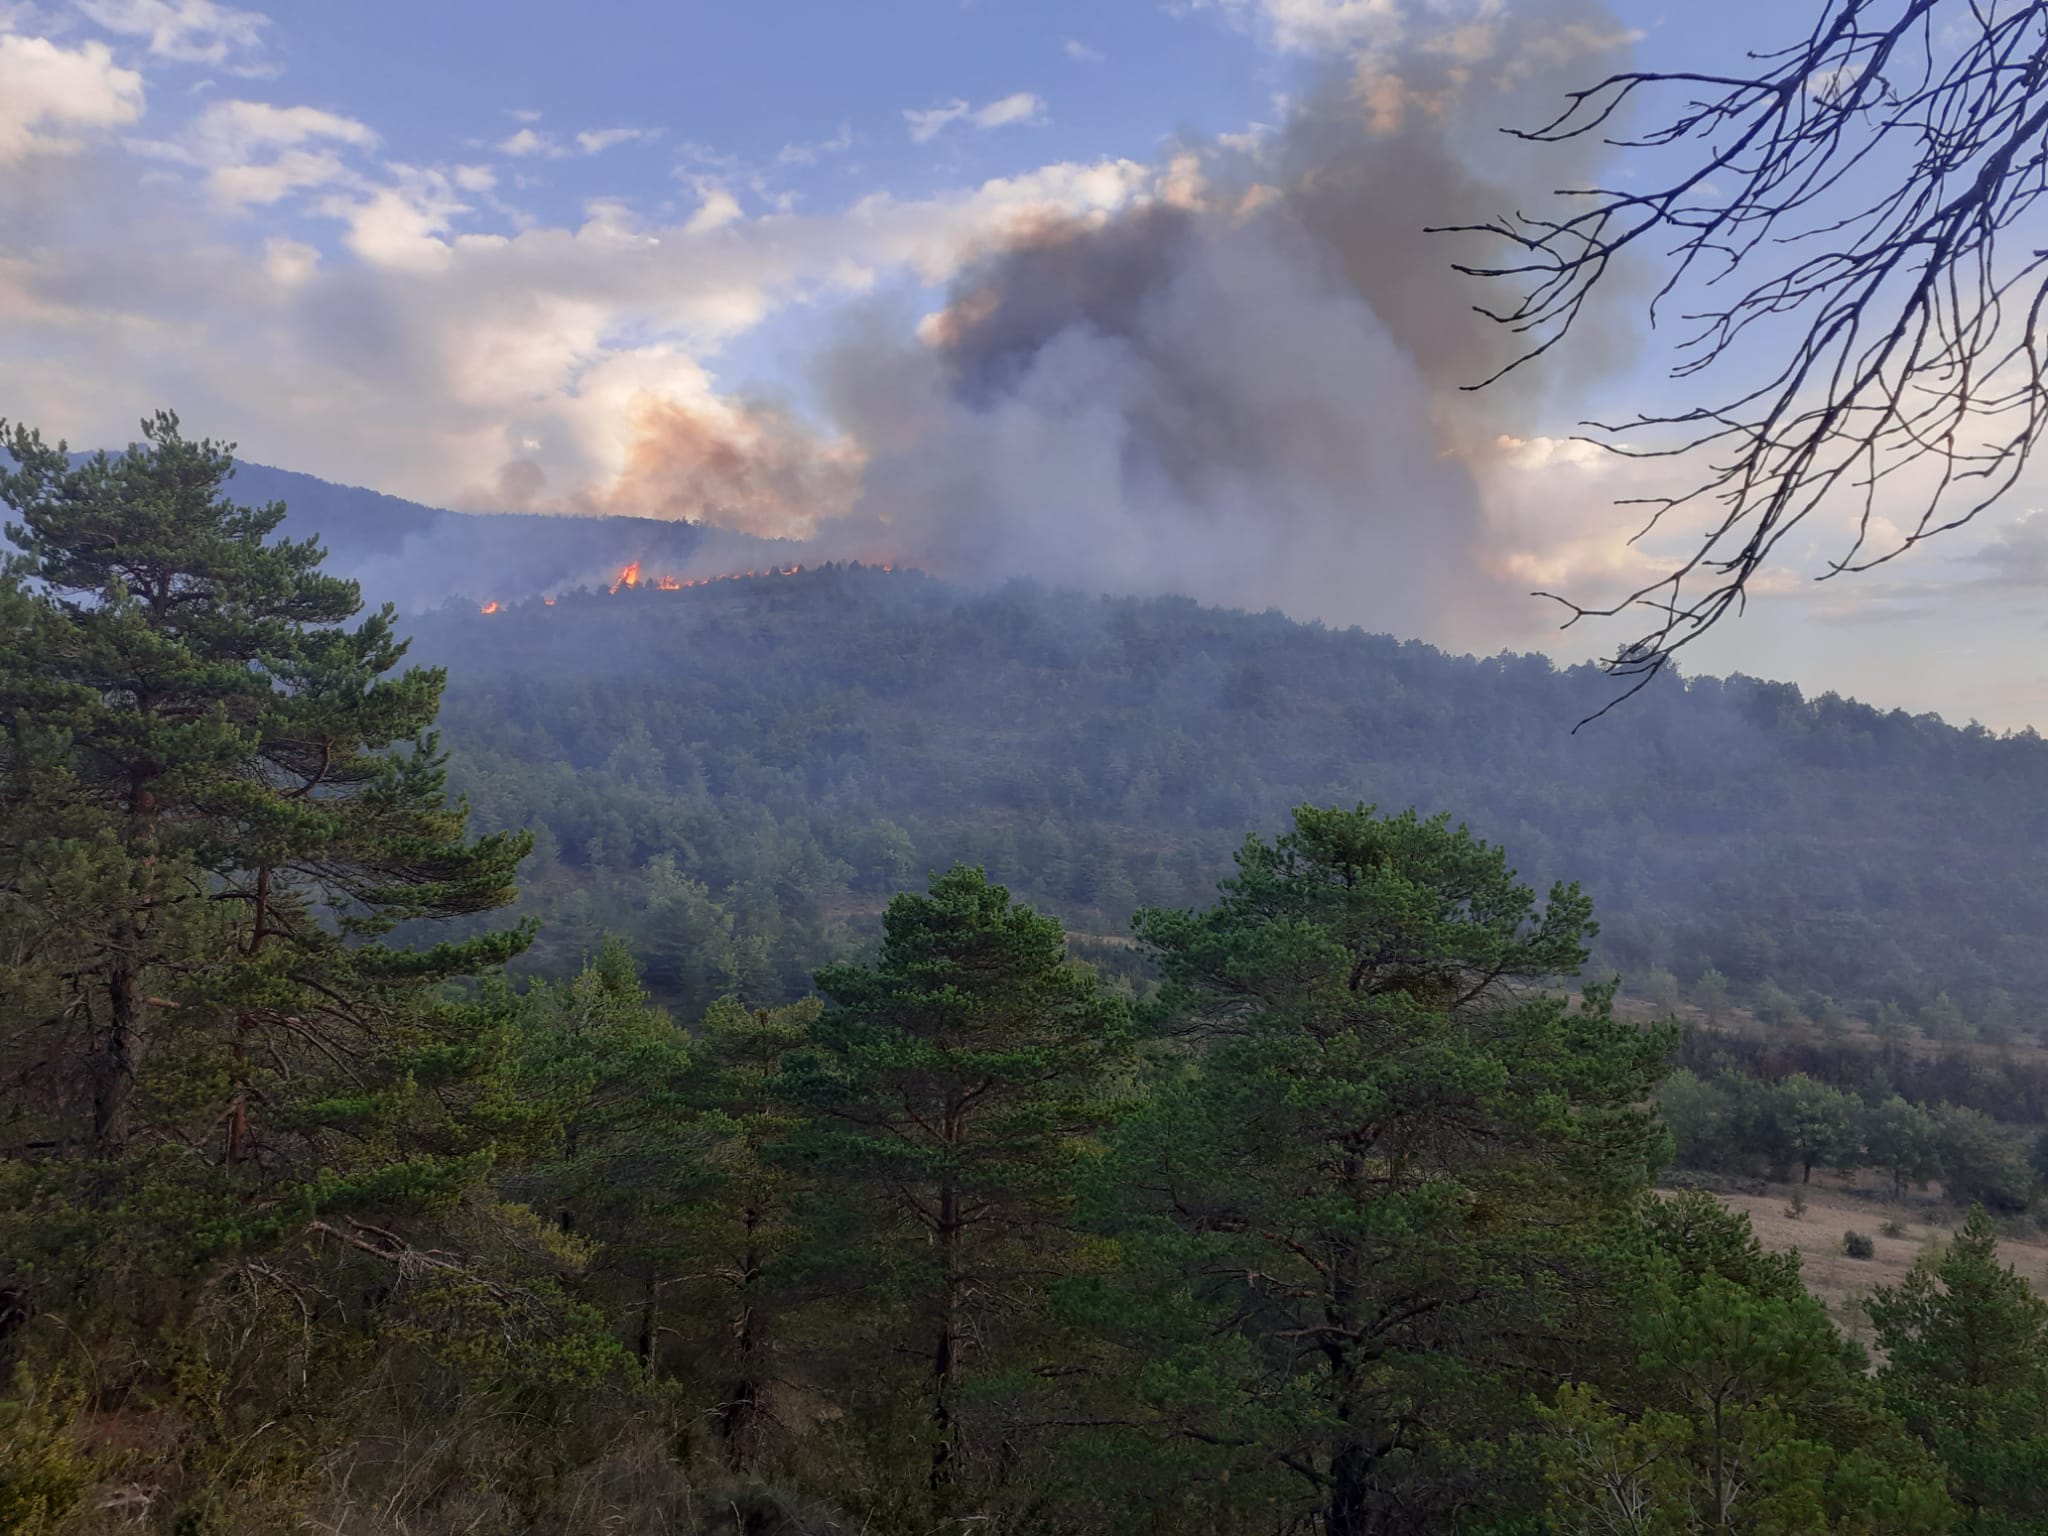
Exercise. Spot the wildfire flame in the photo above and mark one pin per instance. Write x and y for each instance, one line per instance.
(629, 576)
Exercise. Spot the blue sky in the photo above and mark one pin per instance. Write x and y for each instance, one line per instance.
(417, 247)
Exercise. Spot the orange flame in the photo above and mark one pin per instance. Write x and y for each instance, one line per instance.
(629, 576)
(491, 606)
(547, 602)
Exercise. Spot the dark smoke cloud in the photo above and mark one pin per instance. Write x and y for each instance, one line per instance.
(1247, 387)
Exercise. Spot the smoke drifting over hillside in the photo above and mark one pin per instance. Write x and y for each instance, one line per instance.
(1245, 387)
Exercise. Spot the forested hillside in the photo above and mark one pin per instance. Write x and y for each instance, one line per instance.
(757, 763)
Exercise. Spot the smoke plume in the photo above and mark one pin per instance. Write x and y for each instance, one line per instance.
(1246, 386)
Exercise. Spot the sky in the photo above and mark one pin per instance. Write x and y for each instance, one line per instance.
(477, 255)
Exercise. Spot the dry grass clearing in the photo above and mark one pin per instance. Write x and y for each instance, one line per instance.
(1843, 1282)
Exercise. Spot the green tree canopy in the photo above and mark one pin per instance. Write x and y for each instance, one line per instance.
(1734, 1405)
(1372, 1208)
(219, 797)
(958, 1079)
(1965, 1344)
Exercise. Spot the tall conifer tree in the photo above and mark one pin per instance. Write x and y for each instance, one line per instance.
(958, 1079)
(1368, 1216)
(219, 796)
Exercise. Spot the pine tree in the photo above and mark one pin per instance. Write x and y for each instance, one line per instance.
(958, 1079)
(754, 1258)
(1731, 1405)
(1363, 1220)
(1965, 1342)
(219, 797)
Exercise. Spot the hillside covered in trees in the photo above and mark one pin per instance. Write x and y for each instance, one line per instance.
(760, 762)
(1329, 1206)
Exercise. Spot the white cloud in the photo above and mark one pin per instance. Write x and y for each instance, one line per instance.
(522, 114)
(927, 123)
(402, 226)
(419, 354)
(1081, 53)
(46, 91)
(595, 141)
(1310, 26)
(289, 263)
(188, 31)
(718, 209)
(811, 154)
(229, 131)
(1023, 107)
(528, 141)
(256, 154)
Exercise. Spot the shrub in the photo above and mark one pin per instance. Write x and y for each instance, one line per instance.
(1857, 1246)
(1893, 1227)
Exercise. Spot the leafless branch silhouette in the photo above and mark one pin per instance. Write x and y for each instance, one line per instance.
(1849, 192)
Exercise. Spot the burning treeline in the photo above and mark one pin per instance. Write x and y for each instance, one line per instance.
(1246, 384)
(630, 578)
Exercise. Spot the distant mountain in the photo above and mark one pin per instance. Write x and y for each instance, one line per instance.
(419, 556)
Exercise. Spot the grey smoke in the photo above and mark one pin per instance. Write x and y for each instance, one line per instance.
(1252, 396)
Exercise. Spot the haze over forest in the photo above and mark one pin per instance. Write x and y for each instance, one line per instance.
(773, 771)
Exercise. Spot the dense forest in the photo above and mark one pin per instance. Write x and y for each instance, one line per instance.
(760, 763)
(345, 1189)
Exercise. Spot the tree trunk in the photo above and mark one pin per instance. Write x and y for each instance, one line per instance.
(238, 1107)
(743, 1418)
(945, 1349)
(649, 1309)
(111, 1068)
(565, 1218)
(1350, 1511)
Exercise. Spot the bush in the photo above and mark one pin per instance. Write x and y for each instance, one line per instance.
(1893, 1227)
(1857, 1246)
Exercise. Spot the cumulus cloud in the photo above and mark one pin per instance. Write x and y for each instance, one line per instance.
(187, 31)
(255, 154)
(49, 95)
(1022, 107)
(429, 348)
(527, 141)
(716, 208)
